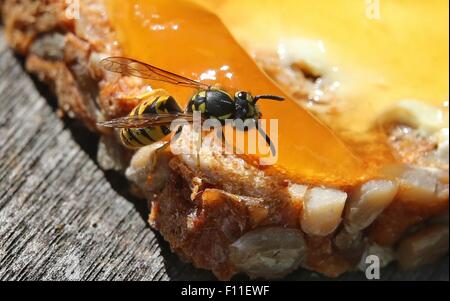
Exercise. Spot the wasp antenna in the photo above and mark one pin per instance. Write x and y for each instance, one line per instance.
(270, 97)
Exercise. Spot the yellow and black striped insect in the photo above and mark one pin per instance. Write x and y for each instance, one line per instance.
(149, 121)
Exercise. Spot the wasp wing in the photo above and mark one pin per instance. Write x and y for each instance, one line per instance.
(130, 67)
(146, 120)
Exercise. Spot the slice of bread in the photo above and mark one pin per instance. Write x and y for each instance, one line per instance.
(218, 210)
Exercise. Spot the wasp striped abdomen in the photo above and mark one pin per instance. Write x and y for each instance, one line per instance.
(139, 137)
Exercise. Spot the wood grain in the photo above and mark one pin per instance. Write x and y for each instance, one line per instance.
(63, 218)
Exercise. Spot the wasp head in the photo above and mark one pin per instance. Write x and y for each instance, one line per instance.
(246, 107)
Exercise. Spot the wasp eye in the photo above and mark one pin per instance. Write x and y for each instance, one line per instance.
(241, 95)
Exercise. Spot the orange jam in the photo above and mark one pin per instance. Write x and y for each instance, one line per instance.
(186, 39)
(376, 52)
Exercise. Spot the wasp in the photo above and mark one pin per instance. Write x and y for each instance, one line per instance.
(149, 121)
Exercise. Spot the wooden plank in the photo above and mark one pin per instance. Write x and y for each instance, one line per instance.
(62, 218)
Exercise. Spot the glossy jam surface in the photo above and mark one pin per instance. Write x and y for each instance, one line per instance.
(184, 38)
(377, 52)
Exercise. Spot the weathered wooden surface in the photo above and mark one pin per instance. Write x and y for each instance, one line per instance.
(62, 218)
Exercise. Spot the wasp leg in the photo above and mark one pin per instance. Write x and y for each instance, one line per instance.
(163, 146)
(268, 140)
(177, 134)
(154, 158)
